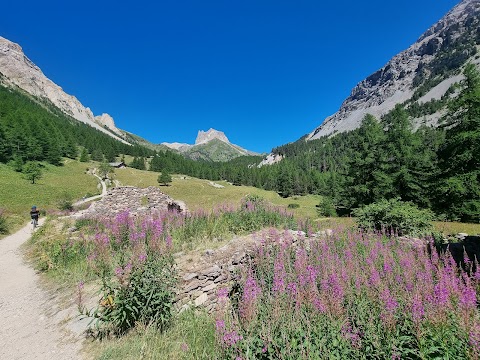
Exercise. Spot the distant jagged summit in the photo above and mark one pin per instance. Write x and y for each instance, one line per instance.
(211, 145)
(420, 74)
(19, 71)
(206, 136)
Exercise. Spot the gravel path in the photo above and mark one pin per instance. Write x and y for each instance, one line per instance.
(26, 331)
(96, 197)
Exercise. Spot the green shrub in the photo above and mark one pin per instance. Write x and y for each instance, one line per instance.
(65, 203)
(141, 292)
(293, 206)
(326, 208)
(403, 218)
(253, 200)
(3, 223)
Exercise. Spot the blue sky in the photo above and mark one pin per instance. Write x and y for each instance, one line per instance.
(264, 72)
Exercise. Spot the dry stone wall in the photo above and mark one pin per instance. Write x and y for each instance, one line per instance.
(137, 201)
(203, 274)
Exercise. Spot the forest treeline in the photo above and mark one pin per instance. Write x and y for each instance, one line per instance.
(436, 168)
(30, 131)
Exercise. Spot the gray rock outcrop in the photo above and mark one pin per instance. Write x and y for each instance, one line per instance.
(206, 136)
(394, 83)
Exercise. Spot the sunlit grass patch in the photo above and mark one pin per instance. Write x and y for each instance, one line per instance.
(200, 194)
(17, 195)
(191, 336)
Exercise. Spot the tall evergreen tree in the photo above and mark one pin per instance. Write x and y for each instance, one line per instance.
(84, 155)
(459, 186)
(365, 180)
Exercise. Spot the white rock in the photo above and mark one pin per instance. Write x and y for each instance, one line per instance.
(202, 299)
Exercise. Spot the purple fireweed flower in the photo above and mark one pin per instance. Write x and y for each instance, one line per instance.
(351, 335)
(168, 241)
(279, 275)
(389, 301)
(251, 289)
(418, 310)
(317, 303)
(231, 338)
(476, 276)
(81, 285)
(374, 277)
(312, 273)
(102, 239)
(122, 217)
(441, 294)
(220, 326)
(348, 255)
(337, 289)
(292, 289)
(118, 271)
(474, 338)
(387, 268)
(468, 298)
(142, 257)
(222, 293)
(184, 347)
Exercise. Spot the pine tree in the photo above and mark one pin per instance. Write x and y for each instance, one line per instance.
(32, 171)
(104, 169)
(138, 163)
(97, 155)
(84, 155)
(365, 182)
(164, 178)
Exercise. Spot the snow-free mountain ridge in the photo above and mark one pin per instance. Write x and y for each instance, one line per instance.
(18, 70)
(435, 58)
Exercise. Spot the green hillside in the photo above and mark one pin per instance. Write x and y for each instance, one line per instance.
(214, 150)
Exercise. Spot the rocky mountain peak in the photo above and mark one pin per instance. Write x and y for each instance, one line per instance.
(206, 136)
(18, 70)
(107, 121)
(436, 57)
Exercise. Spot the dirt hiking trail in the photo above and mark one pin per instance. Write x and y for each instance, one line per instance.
(30, 325)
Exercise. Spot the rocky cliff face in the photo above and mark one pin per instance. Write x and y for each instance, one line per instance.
(106, 120)
(423, 72)
(205, 136)
(18, 70)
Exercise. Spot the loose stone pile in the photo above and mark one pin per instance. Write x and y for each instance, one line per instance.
(136, 200)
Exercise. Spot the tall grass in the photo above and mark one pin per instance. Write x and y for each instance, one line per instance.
(352, 296)
(191, 337)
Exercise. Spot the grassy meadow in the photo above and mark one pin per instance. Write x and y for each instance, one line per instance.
(199, 194)
(17, 194)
